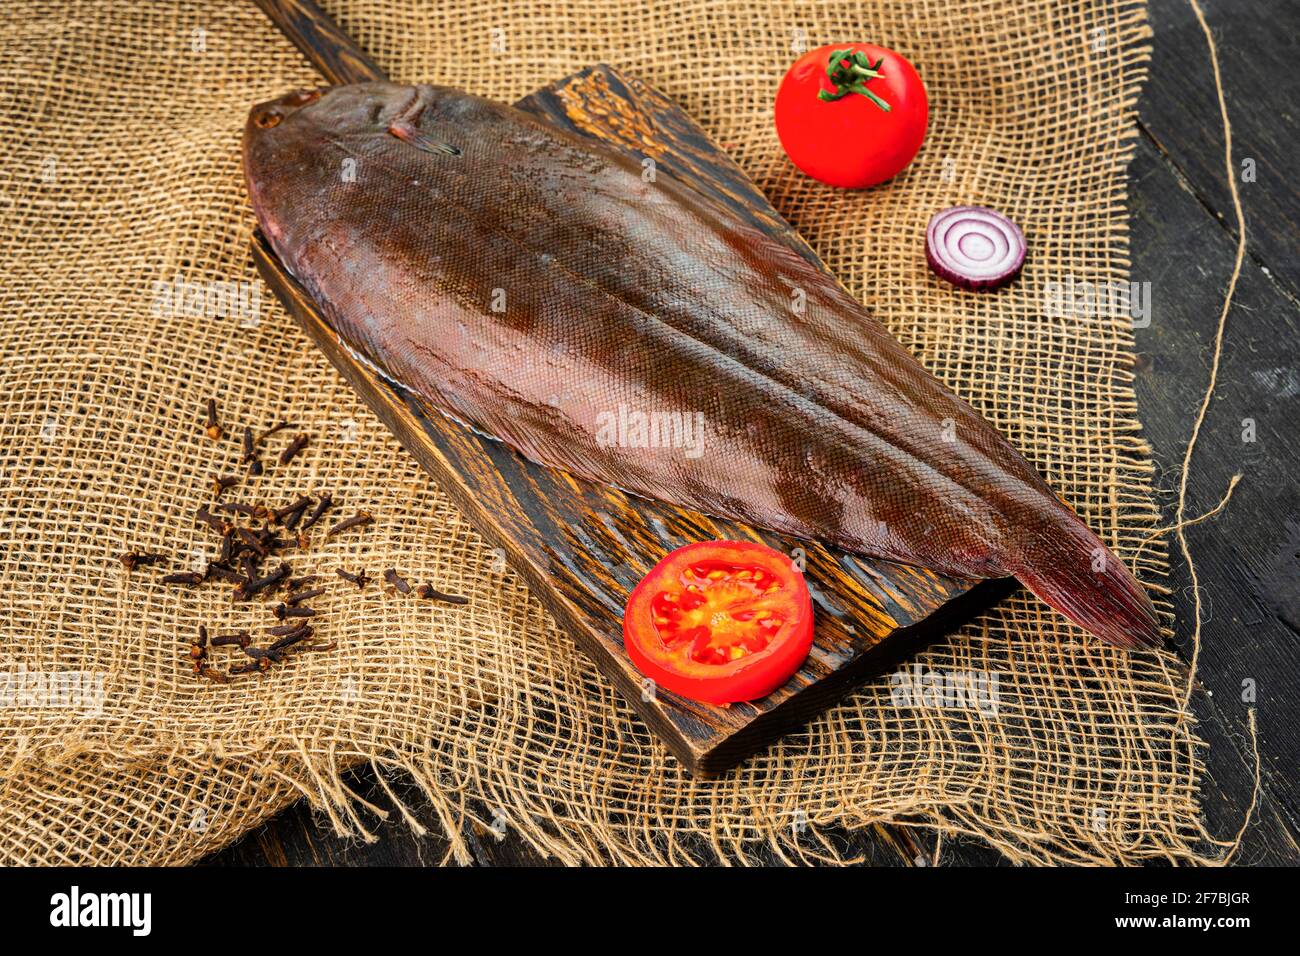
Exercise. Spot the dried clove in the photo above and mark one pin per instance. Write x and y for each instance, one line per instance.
(250, 453)
(242, 508)
(274, 542)
(227, 547)
(283, 611)
(432, 594)
(213, 427)
(291, 521)
(301, 596)
(221, 482)
(265, 656)
(243, 548)
(290, 639)
(252, 540)
(190, 578)
(356, 521)
(199, 650)
(359, 579)
(241, 639)
(211, 520)
(290, 512)
(278, 576)
(250, 587)
(199, 646)
(397, 581)
(134, 559)
(325, 502)
(295, 446)
(225, 573)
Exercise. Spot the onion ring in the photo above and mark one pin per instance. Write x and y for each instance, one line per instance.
(974, 247)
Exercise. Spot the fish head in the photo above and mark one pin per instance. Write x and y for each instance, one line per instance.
(291, 128)
(281, 129)
(297, 147)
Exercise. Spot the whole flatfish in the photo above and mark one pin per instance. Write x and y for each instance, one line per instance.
(534, 285)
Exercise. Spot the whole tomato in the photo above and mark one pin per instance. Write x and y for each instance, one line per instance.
(851, 115)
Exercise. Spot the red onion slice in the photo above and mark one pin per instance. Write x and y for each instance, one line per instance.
(974, 248)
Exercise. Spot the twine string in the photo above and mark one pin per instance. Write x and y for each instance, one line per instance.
(1180, 525)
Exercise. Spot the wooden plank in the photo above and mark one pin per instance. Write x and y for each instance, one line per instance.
(1256, 48)
(1247, 557)
(321, 41)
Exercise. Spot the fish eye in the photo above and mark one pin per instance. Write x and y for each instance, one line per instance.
(267, 119)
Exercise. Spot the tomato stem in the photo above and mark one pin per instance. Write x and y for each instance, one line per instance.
(850, 71)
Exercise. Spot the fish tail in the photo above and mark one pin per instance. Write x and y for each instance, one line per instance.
(1067, 566)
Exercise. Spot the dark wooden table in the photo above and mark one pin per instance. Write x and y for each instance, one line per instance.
(1248, 557)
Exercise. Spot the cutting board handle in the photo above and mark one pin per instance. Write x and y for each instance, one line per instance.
(319, 38)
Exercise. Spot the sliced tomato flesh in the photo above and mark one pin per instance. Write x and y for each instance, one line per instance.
(720, 621)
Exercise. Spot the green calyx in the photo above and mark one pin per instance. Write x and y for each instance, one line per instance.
(850, 71)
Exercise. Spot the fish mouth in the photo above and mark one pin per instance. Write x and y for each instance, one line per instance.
(271, 113)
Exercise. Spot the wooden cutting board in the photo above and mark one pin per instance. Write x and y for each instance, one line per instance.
(582, 547)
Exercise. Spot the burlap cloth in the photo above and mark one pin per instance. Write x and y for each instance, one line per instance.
(121, 127)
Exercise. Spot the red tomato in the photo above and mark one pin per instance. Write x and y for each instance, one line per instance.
(720, 621)
(843, 125)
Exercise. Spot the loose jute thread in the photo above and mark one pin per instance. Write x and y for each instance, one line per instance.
(1161, 532)
(1180, 526)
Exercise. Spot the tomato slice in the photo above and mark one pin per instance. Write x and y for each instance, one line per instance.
(720, 621)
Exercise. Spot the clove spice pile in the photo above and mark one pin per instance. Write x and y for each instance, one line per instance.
(253, 539)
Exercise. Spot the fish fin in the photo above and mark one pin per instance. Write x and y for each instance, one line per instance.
(1068, 567)
(408, 133)
(406, 126)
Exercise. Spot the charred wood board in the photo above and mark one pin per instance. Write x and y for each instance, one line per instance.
(582, 547)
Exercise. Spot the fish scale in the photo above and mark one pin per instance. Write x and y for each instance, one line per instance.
(532, 283)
